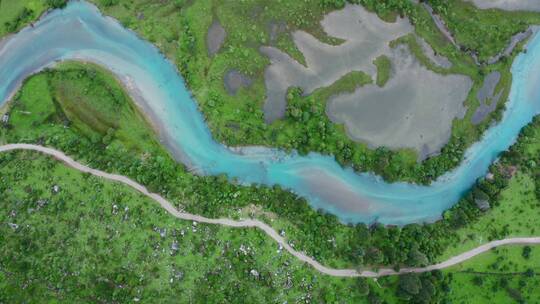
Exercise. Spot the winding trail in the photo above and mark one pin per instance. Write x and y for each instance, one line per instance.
(266, 228)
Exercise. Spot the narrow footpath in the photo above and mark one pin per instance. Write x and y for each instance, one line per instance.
(266, 228)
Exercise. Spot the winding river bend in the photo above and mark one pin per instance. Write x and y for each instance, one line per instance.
(81, 32)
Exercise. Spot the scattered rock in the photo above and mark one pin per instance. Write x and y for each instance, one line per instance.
(254, 273)
(41, 203)
(289, 282)
(482, 204)
(174, 246)
(55, 189)
(177, 275)
(245, 250)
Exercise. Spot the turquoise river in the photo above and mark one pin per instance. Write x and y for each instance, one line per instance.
(81, 32)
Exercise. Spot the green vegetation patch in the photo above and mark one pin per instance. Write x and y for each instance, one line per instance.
(507, 274)
(518, 215)
(14, 14)
(384, 70)
(485, 32)
(83, 97)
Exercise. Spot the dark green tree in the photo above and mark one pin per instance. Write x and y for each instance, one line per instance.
(56, 3)
(362, 286)
(410, 284)
(526, 252)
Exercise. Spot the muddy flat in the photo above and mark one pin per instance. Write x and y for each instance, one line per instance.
(487, 98)
(215, 37)
(366, 37)
(509, 5)
(415, 109)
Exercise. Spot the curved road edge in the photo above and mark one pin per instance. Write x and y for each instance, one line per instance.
(266, 228)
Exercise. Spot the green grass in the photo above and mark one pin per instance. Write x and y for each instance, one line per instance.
(98, 241)
(483, 278)
(416, 49)
(384, 69)
(517, 215)
(501, 260)
(346, 84)
(12, 17)
(91, 101)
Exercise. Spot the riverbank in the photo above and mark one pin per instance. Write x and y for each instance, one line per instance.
(14, 15)
(269, 231)
(175, 259)
(35, 119)
(184, 127)
(238, 120)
